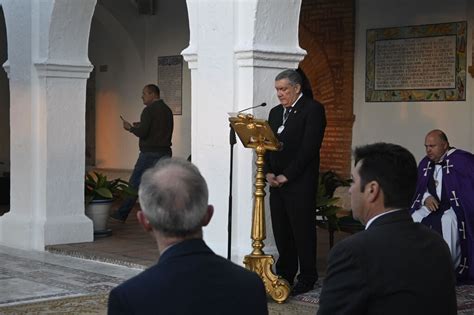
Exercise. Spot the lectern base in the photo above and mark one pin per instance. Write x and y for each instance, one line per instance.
(277, 287)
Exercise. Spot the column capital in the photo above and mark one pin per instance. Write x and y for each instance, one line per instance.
(56, 69)
(191, 57)
(6, 67)
(266, 58)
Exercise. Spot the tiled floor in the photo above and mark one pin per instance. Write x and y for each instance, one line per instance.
(27, 276)
(130, 245)
(35, 276)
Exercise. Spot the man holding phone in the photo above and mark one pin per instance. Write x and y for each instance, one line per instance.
(154, 131)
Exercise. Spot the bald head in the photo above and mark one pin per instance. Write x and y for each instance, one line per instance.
(438, 133)
(436, 145)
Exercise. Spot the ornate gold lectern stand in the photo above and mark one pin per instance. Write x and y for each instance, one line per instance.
(257, 134)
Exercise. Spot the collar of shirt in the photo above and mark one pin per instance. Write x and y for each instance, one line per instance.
(441, 160)
(292, 105)
(451, 150)
(378, 216)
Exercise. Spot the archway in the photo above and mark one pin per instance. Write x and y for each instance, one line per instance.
(326, 88)
(47, 92)
(112, 87)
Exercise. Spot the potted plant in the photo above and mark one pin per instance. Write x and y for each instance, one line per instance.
(326, 204)
(100, 192)
(329, 212)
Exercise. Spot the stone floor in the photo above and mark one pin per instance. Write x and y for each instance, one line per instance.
(131, 246)
(88, 269)
(30, 276)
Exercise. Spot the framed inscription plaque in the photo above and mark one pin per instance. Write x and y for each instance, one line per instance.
(170, 81)
(416, 63)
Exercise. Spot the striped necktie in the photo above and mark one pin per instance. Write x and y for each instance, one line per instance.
(286, 114)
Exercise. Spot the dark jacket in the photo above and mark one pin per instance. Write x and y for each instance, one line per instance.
(190, 279)
(394, 267)
(155, 128)
(298, 159)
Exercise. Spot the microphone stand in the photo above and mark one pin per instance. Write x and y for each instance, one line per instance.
(232, 141)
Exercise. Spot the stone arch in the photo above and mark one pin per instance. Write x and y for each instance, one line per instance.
(47, 67)
(69, 31)
(316, 67)
(336, 148)
(112, 25)
(109, 41)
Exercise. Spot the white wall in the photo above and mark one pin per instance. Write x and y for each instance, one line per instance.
(130, 45)
(236, 50)
(407, 123)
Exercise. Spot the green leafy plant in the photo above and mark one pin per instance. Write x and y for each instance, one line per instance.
(98, 187)
(326, 204)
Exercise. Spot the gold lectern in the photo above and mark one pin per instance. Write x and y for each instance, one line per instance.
(257, 134)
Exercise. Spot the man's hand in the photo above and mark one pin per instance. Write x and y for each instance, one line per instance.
(126, 125)
(281, 179)
(271, 179)
(431, 203)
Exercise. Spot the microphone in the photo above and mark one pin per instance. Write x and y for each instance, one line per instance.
(261, 105)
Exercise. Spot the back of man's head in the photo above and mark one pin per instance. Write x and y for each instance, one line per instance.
(393, 167)
(174, 197)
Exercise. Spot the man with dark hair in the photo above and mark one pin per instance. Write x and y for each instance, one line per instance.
(188, 278)
(444, 199)
(292, 174)
(155, 131)
(395, 266)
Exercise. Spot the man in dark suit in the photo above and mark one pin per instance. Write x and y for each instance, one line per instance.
(188, 278)
(395, 266)
(292, 174)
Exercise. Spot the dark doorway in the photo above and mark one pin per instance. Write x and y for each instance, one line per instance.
(4, 122)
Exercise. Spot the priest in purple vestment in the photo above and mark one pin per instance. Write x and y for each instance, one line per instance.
(444, 199)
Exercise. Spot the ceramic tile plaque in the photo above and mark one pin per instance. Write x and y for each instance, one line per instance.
(416, 63)
(170, 81)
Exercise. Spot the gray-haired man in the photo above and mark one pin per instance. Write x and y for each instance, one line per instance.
(292, 173)
(188, 278)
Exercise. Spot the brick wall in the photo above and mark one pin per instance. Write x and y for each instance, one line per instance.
(327, 34)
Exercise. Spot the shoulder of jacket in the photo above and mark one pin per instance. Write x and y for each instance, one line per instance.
(354, 242)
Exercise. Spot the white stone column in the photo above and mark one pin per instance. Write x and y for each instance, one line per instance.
(48, 68)
(236, 50)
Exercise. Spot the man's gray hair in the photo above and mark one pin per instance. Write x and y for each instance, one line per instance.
(174, 197)
(293, 77)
